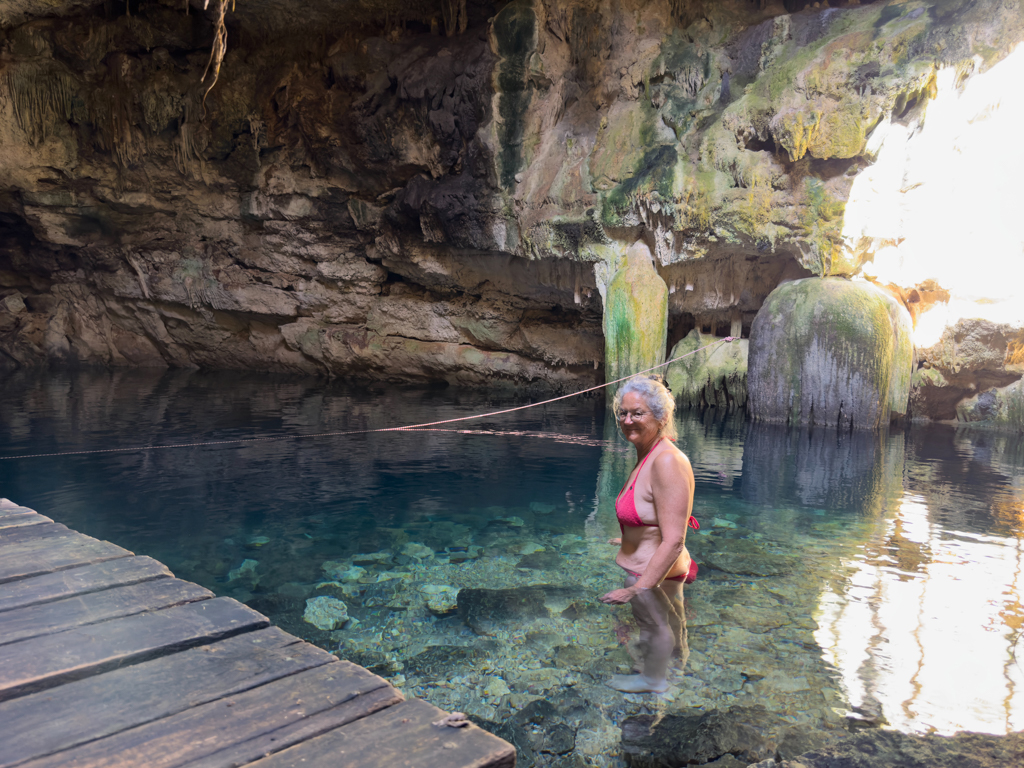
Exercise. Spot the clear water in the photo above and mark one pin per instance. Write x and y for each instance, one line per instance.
(846, 580)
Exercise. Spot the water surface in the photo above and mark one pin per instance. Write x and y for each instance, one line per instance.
(847, 580)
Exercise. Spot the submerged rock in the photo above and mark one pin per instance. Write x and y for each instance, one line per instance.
(677, 740)
(326, 613)
(741, 564)
(440, 661)
(372, 558)
(832, 352)
(485, 610)
(342, 571)
(246, 571)
(417, 550)
(441, 600)
(541, 561)
(885, 749)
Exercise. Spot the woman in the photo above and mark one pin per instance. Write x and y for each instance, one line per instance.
(653, 509)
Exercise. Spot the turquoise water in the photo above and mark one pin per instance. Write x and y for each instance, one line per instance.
(847, 581)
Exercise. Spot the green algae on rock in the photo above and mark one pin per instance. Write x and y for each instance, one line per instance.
(1000, 407)
(712, 377)
(635, 316)
(830, 351)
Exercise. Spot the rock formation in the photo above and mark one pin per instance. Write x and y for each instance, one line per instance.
(434, 192)
(635, 316)
(709, 377)
(832, 352)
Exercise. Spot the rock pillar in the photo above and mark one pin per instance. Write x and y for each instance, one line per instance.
(830, 351)
(635, 316)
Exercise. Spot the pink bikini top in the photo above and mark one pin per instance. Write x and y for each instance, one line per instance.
(625, 504)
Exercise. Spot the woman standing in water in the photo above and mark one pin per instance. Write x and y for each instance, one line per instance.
(653, 509)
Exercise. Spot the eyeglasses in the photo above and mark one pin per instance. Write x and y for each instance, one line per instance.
(633, 415)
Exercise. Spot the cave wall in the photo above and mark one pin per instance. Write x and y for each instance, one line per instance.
(429, 191)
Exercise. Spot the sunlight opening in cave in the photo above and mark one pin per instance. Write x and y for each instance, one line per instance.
(940, 203)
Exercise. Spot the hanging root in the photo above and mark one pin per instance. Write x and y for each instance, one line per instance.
(220, 45)
(41, 93)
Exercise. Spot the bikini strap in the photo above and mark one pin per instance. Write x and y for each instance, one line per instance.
(645, 459)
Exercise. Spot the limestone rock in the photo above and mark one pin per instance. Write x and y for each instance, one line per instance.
(716, 377)
(635, 316)
(342, 571)
(693, 739)
(441, 600)
(830, 352)
(245, 572)
(417, 550)
(970, 357)
(486, 610)
(423, 207)
(1002, 408)
(743, 564)
(884, 748)
(326, 613)
(441, 661)
(541, 561)
(496, 688)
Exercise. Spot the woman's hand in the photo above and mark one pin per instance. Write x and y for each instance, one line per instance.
(616, 542)
(618, 596)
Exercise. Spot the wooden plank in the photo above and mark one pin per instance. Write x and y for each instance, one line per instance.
(51, 530)
(13, 509)
(200, 731)
(50, 721)
(22, 560)
(43, 662)
(80, 581)
(399, 736)
(96, 607)
(295, 733)
(25, 518)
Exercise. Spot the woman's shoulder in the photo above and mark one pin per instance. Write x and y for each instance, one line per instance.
(671, 459)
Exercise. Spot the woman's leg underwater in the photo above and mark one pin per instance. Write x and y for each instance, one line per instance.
(659, 616)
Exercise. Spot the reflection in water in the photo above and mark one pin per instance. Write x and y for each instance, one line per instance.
(925, 627)
(838, 471)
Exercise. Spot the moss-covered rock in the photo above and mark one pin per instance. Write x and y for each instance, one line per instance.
(635, 316)
(715, 377)
(830, 351)
(999, 407)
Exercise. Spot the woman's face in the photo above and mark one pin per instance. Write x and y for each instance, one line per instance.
(636, 420)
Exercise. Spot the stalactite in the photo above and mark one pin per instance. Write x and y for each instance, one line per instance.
(456, 18)
(113, 114)
(585, 36)
(688, 11)
(192, 138)
(41, 93)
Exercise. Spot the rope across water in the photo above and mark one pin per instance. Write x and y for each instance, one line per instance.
(405, 428)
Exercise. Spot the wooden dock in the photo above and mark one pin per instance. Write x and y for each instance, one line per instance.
(106, 659)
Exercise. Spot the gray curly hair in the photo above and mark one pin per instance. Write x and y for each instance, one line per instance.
(658, 400)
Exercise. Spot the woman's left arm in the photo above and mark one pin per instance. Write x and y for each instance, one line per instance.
(671, 488)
